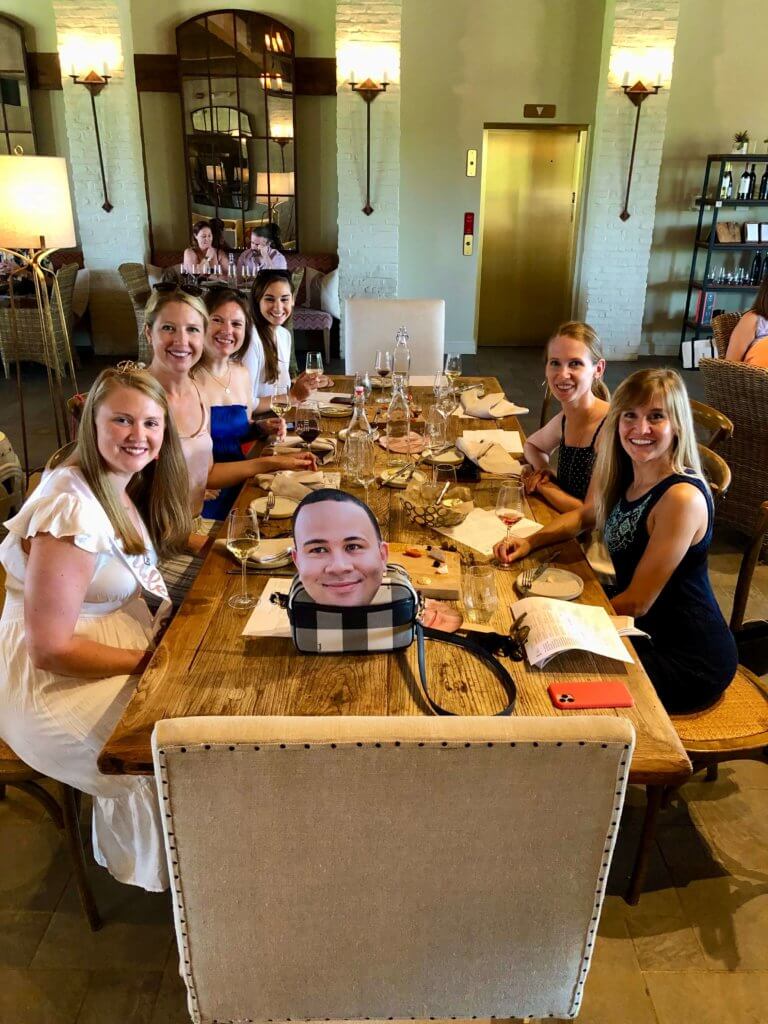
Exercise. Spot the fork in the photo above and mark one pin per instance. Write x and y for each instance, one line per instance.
(270, 506)
(530, 576)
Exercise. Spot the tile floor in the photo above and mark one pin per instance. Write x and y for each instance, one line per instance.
(695, 948)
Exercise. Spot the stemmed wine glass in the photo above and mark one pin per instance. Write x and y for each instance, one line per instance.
(509, 509)
(280, 400)
(242, 541)
(308, 422)
(314, 366)
(362, 460)
(452, 367)
(383, 364)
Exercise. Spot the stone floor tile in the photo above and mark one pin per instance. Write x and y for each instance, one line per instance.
(171, 1003)
(127, 997)
(29, 996)
(709, 998)
(34, 866)
(18, 808)
(20, 935)
(615, 989)
(737, 829)
(747, 774)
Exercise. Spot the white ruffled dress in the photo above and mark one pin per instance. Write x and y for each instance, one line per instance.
(58, 724)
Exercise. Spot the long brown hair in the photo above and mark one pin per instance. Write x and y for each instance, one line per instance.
(215, 298)
(761, 302)
(159, 490)
(613, 467)
(577, 330)
(264, 328)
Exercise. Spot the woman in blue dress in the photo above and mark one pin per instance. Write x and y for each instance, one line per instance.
(655, 510)
(227, 389)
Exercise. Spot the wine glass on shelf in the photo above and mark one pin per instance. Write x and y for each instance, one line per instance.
(362, 460)
(452, 367)
(509, 509)
(314, 366)
(308, 422)
(242, 541)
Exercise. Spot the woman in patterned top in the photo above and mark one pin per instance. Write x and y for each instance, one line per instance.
(649, 498)
(574, 372)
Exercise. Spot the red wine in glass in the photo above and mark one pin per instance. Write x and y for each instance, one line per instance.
(308, 434)
(509, 517)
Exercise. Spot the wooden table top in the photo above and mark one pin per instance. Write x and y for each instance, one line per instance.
(203, 666)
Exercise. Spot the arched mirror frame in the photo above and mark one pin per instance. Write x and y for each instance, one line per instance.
(15, 56)
(244, 179)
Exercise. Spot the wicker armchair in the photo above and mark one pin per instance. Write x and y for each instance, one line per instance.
(30, 344)
(135, 279)
(722, 328)
(741, 392)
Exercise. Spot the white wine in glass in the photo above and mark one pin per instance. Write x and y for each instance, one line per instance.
(280, 402)
(314, 367)
(452, 367)
(242, 541)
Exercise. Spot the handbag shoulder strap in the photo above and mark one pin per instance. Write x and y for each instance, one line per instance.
(425, 633)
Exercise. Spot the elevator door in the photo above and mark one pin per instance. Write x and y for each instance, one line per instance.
(530, 194)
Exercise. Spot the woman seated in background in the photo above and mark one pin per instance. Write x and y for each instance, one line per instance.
(265, 252)
(650, 500)
(268, 357)
(203, 257)
(226, 387)
(749, 339)
(75, 632)
(574, 371)
(175, 326)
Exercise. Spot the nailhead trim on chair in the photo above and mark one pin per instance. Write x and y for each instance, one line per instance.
(610, 842)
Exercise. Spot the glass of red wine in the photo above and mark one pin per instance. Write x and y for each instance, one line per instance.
(308, 422)
(509, 509)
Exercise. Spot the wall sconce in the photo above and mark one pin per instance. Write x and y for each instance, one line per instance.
(369, 90)
(636, 94)
(94, 83)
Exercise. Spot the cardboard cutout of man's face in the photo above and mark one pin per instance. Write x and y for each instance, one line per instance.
(337, 554)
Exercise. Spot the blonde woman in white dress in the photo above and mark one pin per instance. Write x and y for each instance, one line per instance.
(75, 632)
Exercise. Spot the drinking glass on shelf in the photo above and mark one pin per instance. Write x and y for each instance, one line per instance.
(308, 422)
(478, 592)
(361, 455)
(242, 541)
(509, 509)
(452, 367)
(314, 365)
(383, 364)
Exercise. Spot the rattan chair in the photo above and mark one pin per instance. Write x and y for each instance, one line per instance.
(29, 342)
(722, 328)
(135, 279)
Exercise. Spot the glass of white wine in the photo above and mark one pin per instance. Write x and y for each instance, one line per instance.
(452, 367)
(280, 401)
(314, 366)
(242, 541)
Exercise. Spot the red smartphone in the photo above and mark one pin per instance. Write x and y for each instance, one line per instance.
(602, 693)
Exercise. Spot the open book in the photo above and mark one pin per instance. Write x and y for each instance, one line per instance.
(558, 626)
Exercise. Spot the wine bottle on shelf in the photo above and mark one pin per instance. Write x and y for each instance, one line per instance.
(744, 183)
(756, 270)
(752, 182)
(763, 193)
(726, 186)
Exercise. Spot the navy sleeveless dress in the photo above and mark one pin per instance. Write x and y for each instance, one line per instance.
(691, 655)
(575, 464)
(230, 428)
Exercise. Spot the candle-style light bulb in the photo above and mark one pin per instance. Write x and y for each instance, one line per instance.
(625, 79)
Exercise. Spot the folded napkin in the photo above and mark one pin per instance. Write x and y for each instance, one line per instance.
(491, 407)
(324, 448)
(508, 439)
(289, 484)
(482, 529)
(489, 456)
(269, 619)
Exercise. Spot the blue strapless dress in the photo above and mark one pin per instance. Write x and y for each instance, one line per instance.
(230, 428)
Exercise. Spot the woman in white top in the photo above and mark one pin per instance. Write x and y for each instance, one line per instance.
(75, 631)
(268, 357)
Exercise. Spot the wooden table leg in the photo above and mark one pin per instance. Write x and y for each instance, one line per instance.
(654, 796)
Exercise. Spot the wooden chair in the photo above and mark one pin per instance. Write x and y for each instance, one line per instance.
(354, 893)
(546, 413)
(751, 637)
(61, 455)
(716, 471)
(722, 328)
(136, 280)
(716, 424)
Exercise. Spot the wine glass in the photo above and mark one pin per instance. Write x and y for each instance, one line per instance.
(383, 364)
(314, 366)
(362, 460)
(242, 541)
(452, 367)
(509, 509)
(279, 399)
(308, 422)
(478, 592)
(435, 430)
(362, 380)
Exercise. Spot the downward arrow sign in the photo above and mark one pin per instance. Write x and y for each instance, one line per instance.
(539, 111)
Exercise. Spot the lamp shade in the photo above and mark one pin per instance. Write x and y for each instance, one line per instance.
(277, 184)
(35, 202)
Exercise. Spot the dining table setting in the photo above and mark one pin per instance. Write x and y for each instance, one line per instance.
(455, 494)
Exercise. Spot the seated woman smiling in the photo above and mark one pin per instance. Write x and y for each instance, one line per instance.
(650, 500)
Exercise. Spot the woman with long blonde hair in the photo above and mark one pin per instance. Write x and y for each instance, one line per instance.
(75, 632)
(655, 510)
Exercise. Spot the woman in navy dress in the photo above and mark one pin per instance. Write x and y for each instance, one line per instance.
(650, 499)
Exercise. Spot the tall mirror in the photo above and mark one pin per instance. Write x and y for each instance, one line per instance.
(15, 110)
(236, 77)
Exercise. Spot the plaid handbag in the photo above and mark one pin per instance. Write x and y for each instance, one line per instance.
(390, 624)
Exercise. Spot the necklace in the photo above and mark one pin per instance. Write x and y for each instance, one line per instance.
(227, 389)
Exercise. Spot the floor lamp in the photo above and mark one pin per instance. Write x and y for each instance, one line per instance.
(36, 220)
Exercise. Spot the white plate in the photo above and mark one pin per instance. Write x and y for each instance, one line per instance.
(284, 507)
(417, 478)
(336, 411)
(554, 583)
(449, 458)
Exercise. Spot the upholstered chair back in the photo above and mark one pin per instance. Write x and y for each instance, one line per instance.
(371, 324)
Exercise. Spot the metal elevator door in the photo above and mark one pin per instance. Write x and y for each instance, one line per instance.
(530, 194)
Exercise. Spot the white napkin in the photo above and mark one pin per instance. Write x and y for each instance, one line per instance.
(508, 439)
(490, 457)
(288, 484)
(324, 449)
(491, 407)
(324, 397)
(482, 529)
(269, 619)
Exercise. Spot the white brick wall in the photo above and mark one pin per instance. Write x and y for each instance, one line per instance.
(616, 253)
(107, 239)
(368, 245)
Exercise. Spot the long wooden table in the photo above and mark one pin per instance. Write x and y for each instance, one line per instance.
(203, 666)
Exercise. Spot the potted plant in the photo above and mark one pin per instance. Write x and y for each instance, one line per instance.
(741, 142)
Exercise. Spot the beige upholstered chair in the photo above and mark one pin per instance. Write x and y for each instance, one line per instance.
(136, 280)
(371, 324)
(353, 867)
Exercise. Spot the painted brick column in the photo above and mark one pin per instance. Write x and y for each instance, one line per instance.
(107, 239)
(616, 253)
(368, 245)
